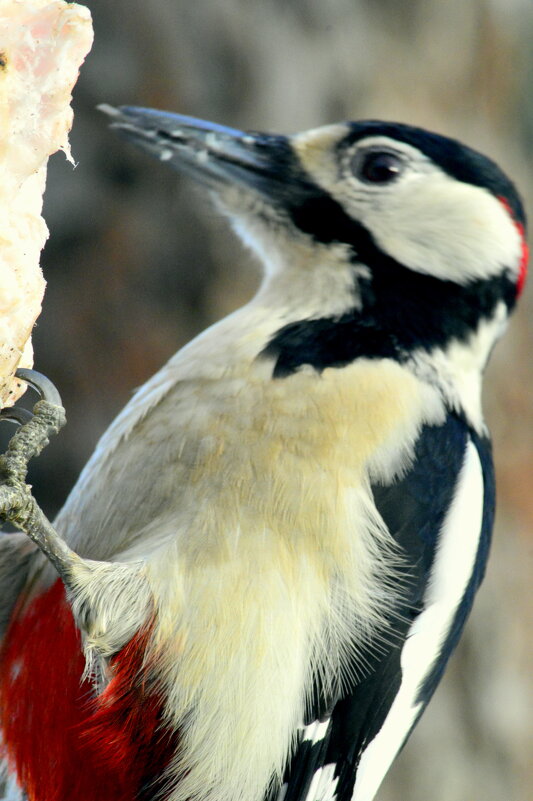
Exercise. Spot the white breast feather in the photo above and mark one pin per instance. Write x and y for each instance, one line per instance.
(264, 552)
(277, 565)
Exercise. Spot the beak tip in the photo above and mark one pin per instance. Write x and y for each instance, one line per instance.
(111, 111)
(212, 153)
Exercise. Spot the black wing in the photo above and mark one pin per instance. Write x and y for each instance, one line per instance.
(345, 753)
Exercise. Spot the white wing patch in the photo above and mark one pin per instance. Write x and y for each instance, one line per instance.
(324, 784)
(452, 569)
(316, 731)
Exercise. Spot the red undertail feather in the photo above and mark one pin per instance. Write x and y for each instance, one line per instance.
(63, 742)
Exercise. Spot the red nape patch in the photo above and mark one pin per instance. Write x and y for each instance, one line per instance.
(64, 743)
(522, 270)
(524, 254)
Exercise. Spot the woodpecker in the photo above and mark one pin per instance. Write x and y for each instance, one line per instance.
(276, 544)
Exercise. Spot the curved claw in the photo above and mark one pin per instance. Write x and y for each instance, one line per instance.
(41, 384)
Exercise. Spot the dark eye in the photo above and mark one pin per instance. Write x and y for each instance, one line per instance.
(377, 167)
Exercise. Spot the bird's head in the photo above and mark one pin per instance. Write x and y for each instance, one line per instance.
(416, 236)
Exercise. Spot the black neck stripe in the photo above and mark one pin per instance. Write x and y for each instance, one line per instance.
(402, 310)
(438, 313)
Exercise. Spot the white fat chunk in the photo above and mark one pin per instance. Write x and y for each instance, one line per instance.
(42, 45)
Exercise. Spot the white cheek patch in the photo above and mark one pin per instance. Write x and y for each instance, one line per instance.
(425, 220)
(436, 225)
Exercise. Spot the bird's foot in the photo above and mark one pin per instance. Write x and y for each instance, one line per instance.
(110, 601)
(36, 427)
(17, 504)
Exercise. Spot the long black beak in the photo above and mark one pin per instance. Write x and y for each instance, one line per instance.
(211, 153)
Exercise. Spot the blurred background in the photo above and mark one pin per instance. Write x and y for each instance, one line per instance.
(138, 262)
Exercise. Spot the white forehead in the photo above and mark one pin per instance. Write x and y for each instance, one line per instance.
(317, 151)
